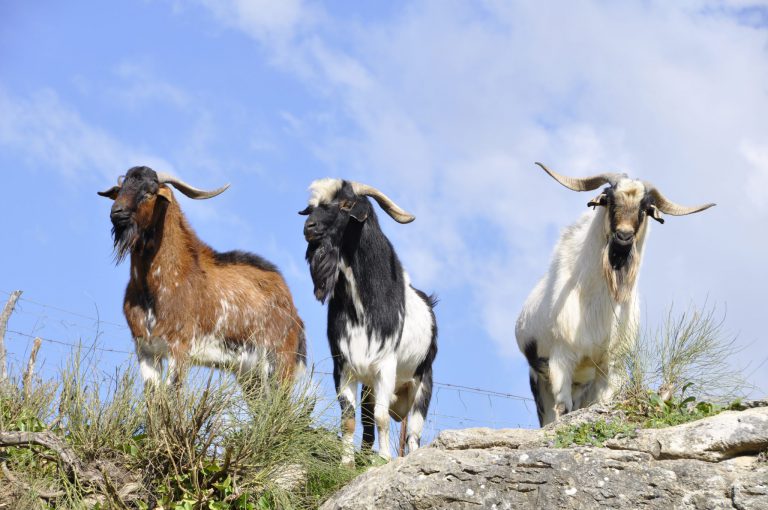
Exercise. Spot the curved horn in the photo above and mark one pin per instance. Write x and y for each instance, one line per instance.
(190, 191)
(669, 207)
(583, 183)
(384, 201)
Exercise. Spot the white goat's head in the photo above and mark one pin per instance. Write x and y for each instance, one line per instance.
(628, 203)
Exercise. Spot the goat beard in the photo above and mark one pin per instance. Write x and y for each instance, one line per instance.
(323, 258)
(126, 237)
(621, 280)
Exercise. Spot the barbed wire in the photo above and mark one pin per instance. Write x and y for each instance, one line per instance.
(68, 344)
(92, 346)
(64, 310)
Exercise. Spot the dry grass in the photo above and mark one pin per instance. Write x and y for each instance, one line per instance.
(204, 445)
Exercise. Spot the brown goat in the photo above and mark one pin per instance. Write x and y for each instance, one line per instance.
(193, 305)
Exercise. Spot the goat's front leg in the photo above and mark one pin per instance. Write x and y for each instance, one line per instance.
(150, 366)
(562, 363)
(384, 391)
(346, 388)
(607, 383)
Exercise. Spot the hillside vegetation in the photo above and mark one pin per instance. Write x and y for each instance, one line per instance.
(89, 439)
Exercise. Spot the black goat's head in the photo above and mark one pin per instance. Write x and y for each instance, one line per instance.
(140, 201)
(333, 205)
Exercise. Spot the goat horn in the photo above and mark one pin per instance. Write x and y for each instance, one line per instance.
(583, 183)
(384, 201)
(669, 207)
(188, 190)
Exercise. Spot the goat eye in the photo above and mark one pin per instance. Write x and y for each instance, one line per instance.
(346, 205)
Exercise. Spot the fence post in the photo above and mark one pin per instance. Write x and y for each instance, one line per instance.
(7, 311)
(27, 379)
(403, 436)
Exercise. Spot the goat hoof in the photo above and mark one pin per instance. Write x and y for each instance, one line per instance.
(561, 410)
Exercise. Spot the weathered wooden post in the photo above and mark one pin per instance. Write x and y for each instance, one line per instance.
(7, 311)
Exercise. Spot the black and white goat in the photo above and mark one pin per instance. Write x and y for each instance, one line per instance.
(381, 330)
(587, 305)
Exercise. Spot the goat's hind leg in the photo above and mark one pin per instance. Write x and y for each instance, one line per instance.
(367, 406)
(419, 410)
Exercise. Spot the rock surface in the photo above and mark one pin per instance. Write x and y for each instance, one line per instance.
(708, 464)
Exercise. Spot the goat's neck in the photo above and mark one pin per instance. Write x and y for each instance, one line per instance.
(171, 253)
(365, 244)
(622, 287)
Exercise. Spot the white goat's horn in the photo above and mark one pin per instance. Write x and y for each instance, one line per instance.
(583, 183)
(190, 191)
(384, 201)
(669, 207)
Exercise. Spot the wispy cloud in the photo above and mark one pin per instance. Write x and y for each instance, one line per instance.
(138, 86)
(52, 135)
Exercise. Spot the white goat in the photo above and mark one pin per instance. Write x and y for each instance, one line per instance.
(587, 303)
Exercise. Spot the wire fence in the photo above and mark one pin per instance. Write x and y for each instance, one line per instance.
(435, 420)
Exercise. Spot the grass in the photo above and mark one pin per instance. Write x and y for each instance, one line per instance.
(206, 445)
(681, 372)
(593, 433)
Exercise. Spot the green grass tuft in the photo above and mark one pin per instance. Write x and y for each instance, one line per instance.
(593, 433)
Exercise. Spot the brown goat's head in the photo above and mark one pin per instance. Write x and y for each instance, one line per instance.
(628, 202)
(141, 199)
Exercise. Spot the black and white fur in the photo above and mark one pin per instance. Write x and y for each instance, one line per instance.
(381, 330)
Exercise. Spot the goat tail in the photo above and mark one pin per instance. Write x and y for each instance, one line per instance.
(300, 367)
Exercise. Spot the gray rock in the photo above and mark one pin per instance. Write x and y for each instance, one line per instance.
(720, 437)
(707, 464)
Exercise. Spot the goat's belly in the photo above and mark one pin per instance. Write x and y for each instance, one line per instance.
(212, 351)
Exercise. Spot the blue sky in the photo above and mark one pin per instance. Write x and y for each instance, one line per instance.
(444, 105)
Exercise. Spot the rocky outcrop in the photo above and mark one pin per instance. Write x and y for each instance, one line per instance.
(711, 463)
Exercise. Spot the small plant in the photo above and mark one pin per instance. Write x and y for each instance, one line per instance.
(593, 433)
(688, 362)
(654, 411)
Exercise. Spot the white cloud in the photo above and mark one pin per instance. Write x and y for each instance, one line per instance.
(452, 103)
(756, 187)
(51, 134)
(139, 86)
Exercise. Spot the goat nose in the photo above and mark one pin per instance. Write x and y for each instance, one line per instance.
(624, 235)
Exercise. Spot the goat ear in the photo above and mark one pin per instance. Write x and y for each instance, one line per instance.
(166, 193)
(359, 211)
(600, 199)
(110, 193)
(306, 211)
(654, 213)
